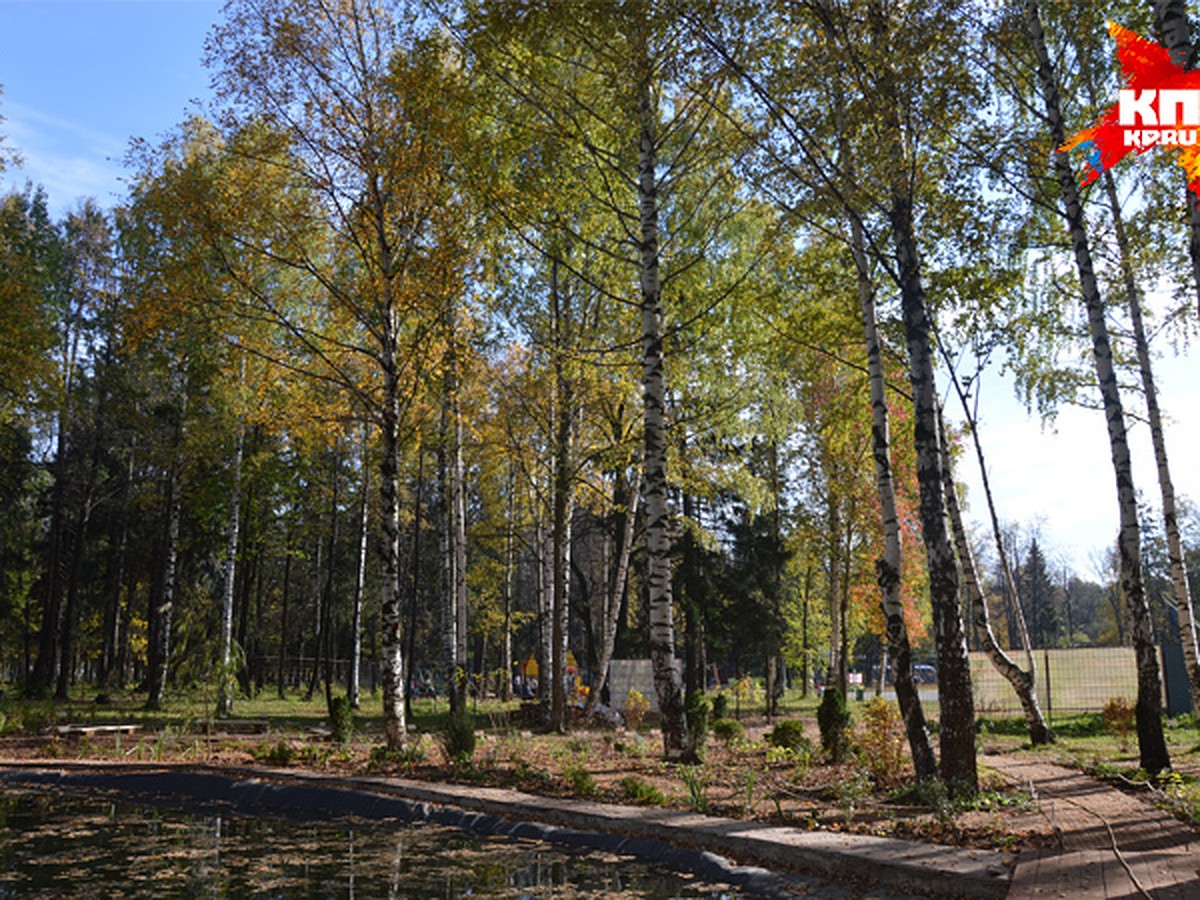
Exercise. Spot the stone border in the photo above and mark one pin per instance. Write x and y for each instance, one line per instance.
(679, 840)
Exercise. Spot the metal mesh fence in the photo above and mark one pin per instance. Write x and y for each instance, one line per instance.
(1081, 679)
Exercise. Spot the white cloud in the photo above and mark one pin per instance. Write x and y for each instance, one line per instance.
(69, 160)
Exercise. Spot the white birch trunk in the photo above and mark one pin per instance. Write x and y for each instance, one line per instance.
(616, 592)
(677, 744)
(360, 576)
(889, 566)
(1152, 745)
(391, 606)
(1166, 486)
(225, 695)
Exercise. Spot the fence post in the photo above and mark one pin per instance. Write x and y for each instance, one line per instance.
(1049, 698)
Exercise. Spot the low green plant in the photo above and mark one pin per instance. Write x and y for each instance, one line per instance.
(833, 718)
(526, 772)
(281, 753)
(746, 783)
(695, 783)
(407, 757)
(728, 730)
(314, 755)
(580, 779)
(933, 794)
(801, 755)
(578, 745)
(851, 789)
(640, 792)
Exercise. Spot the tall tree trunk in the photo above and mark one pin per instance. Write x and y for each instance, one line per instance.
(510, 571)
(86, 503)
(1175, 33)
(114, 622)
(160, 653)
(545, 609)
(325, 631)
(836, 675)
(285, 591)
(225, 689)
(45, 668)
(617, 581)
(318, 643)
(957, 705)
(391, 613)
(1152, 745)
(414, 598)
(454, 546)
(1179, 579)
(561, 502)
(360, 575)
(889, 566)
(1022, 681)
(677, 743)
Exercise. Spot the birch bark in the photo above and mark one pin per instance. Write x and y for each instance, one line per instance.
(1152, 745)
(677, 744)
(888, 567)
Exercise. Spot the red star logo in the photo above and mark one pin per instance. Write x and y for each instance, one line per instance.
(1159, 107)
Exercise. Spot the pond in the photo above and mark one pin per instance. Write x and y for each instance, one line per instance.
(56, 843)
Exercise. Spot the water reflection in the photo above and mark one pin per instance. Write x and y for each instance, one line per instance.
(53, 844)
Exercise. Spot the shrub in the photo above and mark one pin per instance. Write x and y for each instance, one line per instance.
(881, 742)
(640, 792)
(458, 739)
(1118, 719)
(720, 705)
(728, 730)
(788, 735)
(341, 719)
(636, 707)
(833, 718)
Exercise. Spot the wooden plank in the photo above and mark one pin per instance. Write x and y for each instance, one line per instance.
(89, 730)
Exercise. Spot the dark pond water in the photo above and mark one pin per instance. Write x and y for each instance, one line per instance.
(66, 845)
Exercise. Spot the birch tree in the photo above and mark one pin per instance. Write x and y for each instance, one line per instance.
(1151, 742)
(362, 107)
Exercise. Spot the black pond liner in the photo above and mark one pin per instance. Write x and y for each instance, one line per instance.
(254, 797)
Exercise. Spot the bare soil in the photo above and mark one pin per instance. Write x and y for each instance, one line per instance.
(742, 780)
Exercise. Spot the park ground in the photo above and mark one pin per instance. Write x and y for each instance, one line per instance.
(748, 771)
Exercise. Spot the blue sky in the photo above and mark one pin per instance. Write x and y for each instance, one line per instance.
(81, 78)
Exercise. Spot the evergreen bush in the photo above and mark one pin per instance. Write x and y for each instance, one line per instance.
(833, 718)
